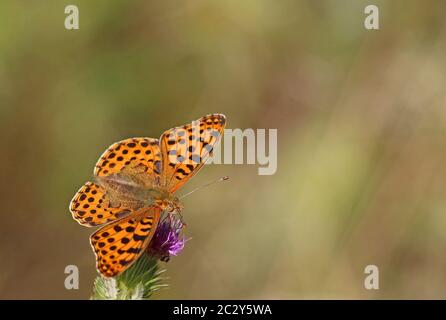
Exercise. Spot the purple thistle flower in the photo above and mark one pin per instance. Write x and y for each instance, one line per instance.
(166, 241)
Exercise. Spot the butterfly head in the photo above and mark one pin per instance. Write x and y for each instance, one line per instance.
(170, 204)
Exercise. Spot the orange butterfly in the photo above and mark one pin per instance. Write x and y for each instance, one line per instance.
(135, 181)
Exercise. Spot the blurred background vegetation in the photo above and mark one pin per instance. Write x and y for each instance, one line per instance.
(361, 122)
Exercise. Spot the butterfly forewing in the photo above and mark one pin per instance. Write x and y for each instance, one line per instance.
(139, 157)
(119, 244)
(185, 149)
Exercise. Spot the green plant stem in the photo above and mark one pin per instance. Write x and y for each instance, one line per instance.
(138, 282)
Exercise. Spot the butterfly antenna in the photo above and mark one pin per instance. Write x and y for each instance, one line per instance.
(205, 185)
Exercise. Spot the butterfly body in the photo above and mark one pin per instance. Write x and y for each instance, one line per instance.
(135, 182)
(137, 196)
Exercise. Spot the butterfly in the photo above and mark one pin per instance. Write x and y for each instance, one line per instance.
(135, 181)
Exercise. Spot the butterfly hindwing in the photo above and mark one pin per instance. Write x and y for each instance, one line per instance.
(185, 149)
(90, 206)
(119, 244)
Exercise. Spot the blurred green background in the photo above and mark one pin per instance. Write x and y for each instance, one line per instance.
(361, 126)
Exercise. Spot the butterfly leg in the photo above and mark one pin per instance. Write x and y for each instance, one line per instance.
(178, 212)
(171, 216)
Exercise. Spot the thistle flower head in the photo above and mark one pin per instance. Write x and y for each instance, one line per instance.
(167, 241)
